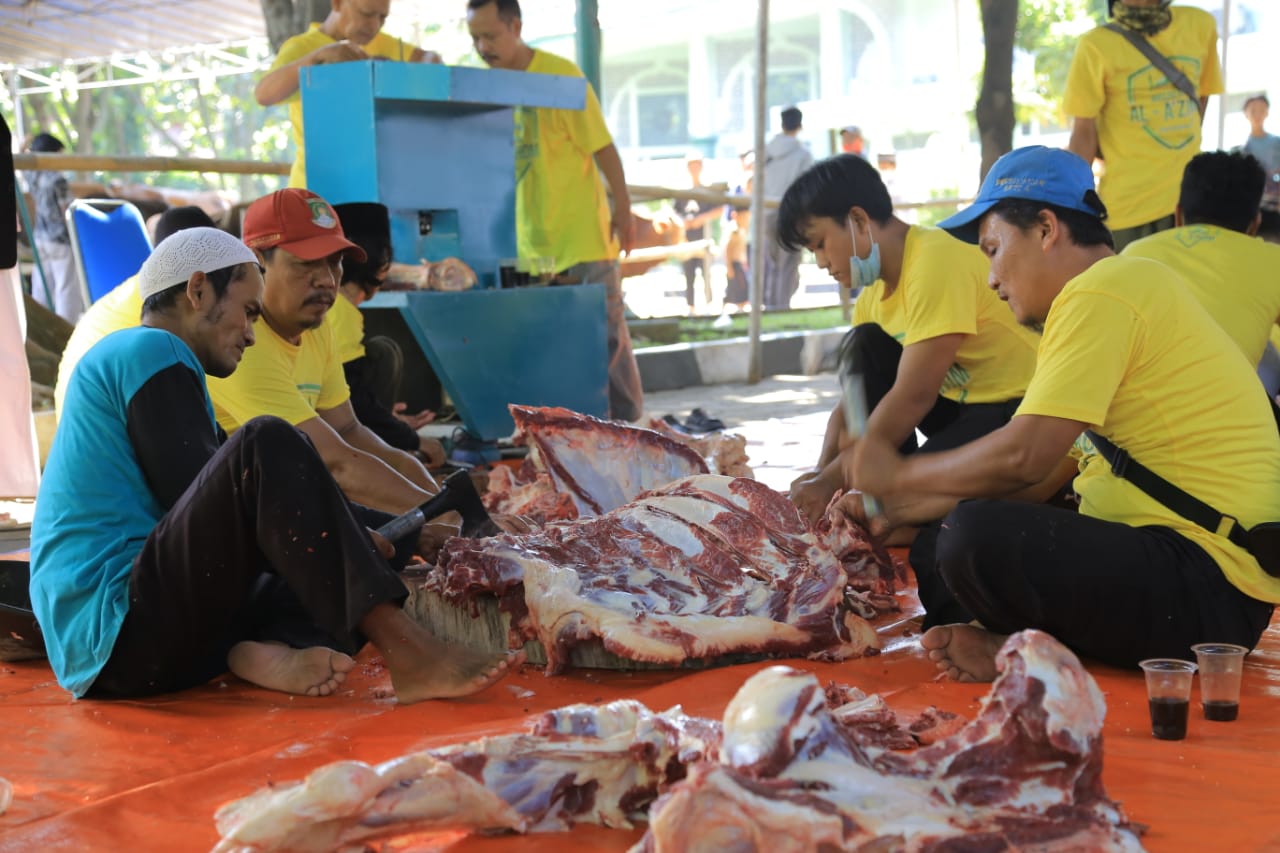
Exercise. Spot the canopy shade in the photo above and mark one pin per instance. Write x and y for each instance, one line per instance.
(35, 33)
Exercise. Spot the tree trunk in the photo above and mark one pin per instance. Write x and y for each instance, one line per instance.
(287, 18)
(994, 110)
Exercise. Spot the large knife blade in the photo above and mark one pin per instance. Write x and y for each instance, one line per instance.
(854, 402)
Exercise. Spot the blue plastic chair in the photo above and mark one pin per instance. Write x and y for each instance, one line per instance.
(109, 242)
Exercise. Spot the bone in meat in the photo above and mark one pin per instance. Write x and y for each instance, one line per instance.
(704, 567)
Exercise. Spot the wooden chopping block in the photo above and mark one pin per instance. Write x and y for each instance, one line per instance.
(489, 631)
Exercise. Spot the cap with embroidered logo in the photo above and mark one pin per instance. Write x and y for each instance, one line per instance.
(298, 221)
(1034, 173)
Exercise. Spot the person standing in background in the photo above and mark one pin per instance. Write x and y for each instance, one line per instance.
(851, 141)
(1126, 110)
(19, 456)
(562, 211)
(351, 32)
(785, 157)
(1265, 147)
(696, 221)
(55, 283)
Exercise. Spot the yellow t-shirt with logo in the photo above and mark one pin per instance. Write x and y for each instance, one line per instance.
(562, 211)
(119, 309)
(1234, 276)
(1147, 129)
(943, 291)
(348, 329)
(1128, 350)
(277, 378)
(382, 45)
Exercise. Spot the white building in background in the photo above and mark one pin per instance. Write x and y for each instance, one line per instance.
(679, 75)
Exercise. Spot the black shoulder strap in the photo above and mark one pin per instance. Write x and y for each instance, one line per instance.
(1189, 507)
(1159, 60)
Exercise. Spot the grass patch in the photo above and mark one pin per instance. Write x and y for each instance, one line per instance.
(661, 331)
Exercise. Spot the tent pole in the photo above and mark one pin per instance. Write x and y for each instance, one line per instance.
(588, 38)
(755, 367)
(1222, 99)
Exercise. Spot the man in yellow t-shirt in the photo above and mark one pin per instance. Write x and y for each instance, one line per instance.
(1128, 353)
(1125, 109)
(1230, 271)
(939, 352)
(562, 212)
(294, 372)
(122, 307)
(351, 32)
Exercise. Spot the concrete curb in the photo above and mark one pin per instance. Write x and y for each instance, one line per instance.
(666, 368)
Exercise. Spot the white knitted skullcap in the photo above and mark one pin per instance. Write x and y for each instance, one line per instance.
(189, 251)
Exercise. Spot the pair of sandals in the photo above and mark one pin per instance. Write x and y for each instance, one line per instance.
(698, 423)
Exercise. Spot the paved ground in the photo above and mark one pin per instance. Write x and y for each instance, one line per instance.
(660, 291)
(783, 418)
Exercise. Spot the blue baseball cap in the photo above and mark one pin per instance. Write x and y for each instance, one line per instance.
(1035, 173)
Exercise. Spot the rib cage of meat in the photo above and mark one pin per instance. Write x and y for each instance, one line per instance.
(782, 772)
(599, 465)
(704, 567)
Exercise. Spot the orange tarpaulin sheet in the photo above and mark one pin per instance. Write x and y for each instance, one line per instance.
(149, 775)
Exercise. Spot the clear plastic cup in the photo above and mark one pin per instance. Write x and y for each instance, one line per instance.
(1168, 695)
(1221, 665)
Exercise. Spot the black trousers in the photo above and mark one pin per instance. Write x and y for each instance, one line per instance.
(1108, 591)
(948, 424)
(262, 546)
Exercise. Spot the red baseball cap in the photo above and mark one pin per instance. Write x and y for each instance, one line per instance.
(298, 221)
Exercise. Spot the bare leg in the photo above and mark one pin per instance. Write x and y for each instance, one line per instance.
(422, 667)
(964, 652)
(316, 671)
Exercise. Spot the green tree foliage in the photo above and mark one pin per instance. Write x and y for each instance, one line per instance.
(189, 113)
(1047, 33)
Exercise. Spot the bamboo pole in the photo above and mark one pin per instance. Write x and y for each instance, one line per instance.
(100, 163)
(106, 163)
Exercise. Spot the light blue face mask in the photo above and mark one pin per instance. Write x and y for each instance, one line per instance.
(862, 272)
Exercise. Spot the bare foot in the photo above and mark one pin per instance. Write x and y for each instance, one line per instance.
(422, 667)
(459, 672)
(964, 652)
(316, 671)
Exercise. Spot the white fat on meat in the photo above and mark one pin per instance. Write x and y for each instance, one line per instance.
(780, 774)
(580, 764)
(350, 802)
(1025, 774)
(704, 567)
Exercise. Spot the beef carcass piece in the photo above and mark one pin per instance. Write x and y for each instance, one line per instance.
(579, 764)
(1024, 775)
(530, 494)
(347, 802)
(600, 465)
(704, 567)
(724, 452)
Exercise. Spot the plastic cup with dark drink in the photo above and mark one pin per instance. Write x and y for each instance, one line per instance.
(1220, 667)
(1168, 695)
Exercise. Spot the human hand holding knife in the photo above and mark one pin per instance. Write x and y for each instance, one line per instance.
(854, 402)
